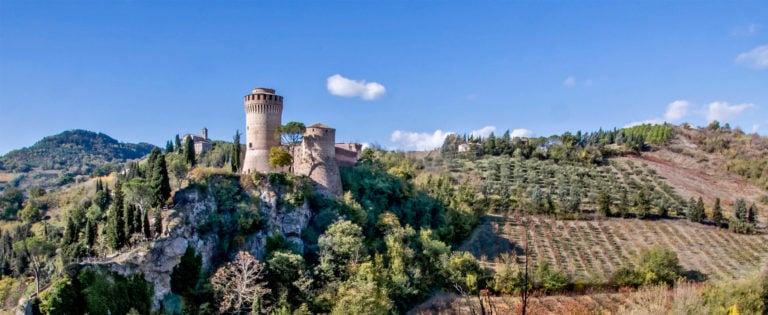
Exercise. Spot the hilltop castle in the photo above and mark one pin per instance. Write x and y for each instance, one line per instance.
(317, 155)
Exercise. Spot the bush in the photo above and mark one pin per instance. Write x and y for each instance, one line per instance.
(550, 280)
(655, 266)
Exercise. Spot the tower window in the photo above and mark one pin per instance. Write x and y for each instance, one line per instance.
(250, 145)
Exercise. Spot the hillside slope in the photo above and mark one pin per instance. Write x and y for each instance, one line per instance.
(58, 158)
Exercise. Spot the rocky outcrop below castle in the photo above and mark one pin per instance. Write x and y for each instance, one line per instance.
(187, 225)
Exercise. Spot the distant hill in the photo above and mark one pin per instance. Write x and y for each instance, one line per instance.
(69, 154)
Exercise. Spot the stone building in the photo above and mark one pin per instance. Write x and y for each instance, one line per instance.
(316, 158)
(347, 154)
(263, 115)
(201, 142)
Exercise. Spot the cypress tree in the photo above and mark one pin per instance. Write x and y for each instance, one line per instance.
(70, 232)
(740, 209)
(690, 212)
(160, 181)
(145, 225)
(699, 213)
(90, 233)
(129, 220)
(177, 143)
(235, 159)
(137, 218)
(168, 146)
(151, 161)
(189, 151)
(116, 223)
(158, 224)
(752, 213)
(717, 213)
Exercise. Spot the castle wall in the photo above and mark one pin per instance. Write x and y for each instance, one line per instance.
(316, 158)
(263, 115)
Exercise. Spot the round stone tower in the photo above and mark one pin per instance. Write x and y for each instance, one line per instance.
(317, 159)
(263, 115)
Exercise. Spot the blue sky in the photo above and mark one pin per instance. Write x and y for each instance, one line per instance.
(145, 71)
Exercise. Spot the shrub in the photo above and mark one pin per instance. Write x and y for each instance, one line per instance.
(550, 280)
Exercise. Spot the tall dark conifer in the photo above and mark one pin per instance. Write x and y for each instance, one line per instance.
(158, 223)
(177, 143)
(116, 222)
(160, 181)
(90, 232)
(717, 213)
(189, 151)
(235, 159)
(145, 225)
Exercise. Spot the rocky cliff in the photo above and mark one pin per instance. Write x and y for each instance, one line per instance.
(184, 224)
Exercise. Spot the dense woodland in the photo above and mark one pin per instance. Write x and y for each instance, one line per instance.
(388, 244)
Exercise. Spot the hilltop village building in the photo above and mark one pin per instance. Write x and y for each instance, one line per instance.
(201, 141)
(318, 156)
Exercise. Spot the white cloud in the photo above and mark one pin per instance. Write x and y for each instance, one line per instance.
(722, 111)
(483, 132)
(521, 133)
(419, 140)
(755, 128)
(676, 111)
(569, 82)
(341, 86)
(756, 58)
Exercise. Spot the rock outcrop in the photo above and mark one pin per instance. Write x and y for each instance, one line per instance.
(192, 207)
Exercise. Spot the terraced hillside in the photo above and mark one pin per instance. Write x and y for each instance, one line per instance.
(590, 251)
(602, 303)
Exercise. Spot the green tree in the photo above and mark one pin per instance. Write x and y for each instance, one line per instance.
(159, 181)
(658, 265)
(189, 151)
(70, 232)
(550, 280)
(139, 192)
(61, 298)
(186, 274)
(642, 205)
(177, 143)
(717, 213)
(604, 203)
(340, 245)
(168, 146)
(235, 154)
(291, 133)
(158, 223)
(11, 202)
(361, 294)
(90, 233)
(752, 213)
(37, 250)
(279, 157)
(32, 212)
(179, 170)
(145, 225)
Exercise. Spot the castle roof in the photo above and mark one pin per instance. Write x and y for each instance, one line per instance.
(262, 90)
(320, 126)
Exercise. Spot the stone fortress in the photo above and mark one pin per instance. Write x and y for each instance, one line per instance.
(318, 156)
